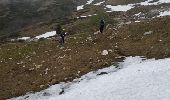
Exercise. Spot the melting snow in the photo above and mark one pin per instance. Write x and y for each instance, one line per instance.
(137, 21)
(165, 13)
(46, 35)
(80, 7)
(99, 3)
(83, 16)
(138, 14)
(164, 1)
(89, 2)
(23, 38)
(130, 6)
(150, 2)
(120, 7)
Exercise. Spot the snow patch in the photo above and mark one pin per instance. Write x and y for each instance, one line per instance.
(150, 2)
(137, 21)
(46, 35)
(164, 1)
(80, 7)
(138, 14)
(97, 4)
(165, 13)
(130, 6)
(89, 2)
(83, 16)
(24, 38)
(120, 7)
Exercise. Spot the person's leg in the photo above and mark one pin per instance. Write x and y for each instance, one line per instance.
(63, 39)
(101, 29)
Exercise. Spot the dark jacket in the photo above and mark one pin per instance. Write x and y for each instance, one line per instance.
(102, 23)
(62, 34)
(58, 29)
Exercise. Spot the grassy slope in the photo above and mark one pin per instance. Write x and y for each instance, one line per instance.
(134, 42)
(34, 66)
(28, 66)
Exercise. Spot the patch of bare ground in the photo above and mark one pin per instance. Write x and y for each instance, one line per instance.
(148, 38)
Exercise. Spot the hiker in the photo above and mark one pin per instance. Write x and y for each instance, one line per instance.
(102, 25)
(61, 33)
(58, 29)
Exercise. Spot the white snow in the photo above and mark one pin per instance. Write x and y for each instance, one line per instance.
(164, 1)
(80, 7)
(138, 79)
(83, 16)
(46, 35)
(89, 2)
(137, 21)
(97, 4)
(120, 7)
(150, 2)
(125, 7)
(138, 14)
(23, 38)
(130, 6)
(165, 13)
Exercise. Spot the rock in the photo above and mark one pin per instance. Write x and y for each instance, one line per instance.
(102, 73)
(53, 81)
(41, 86)
(105, 52)
(46, 94)
(147, 33)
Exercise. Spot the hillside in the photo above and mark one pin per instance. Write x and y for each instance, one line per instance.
(18, 14)
(133, 28)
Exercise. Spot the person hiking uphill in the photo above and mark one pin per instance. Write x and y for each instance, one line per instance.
(61, 33)
(102, 25)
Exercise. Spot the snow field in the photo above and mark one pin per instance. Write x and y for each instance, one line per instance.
(139, 79)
